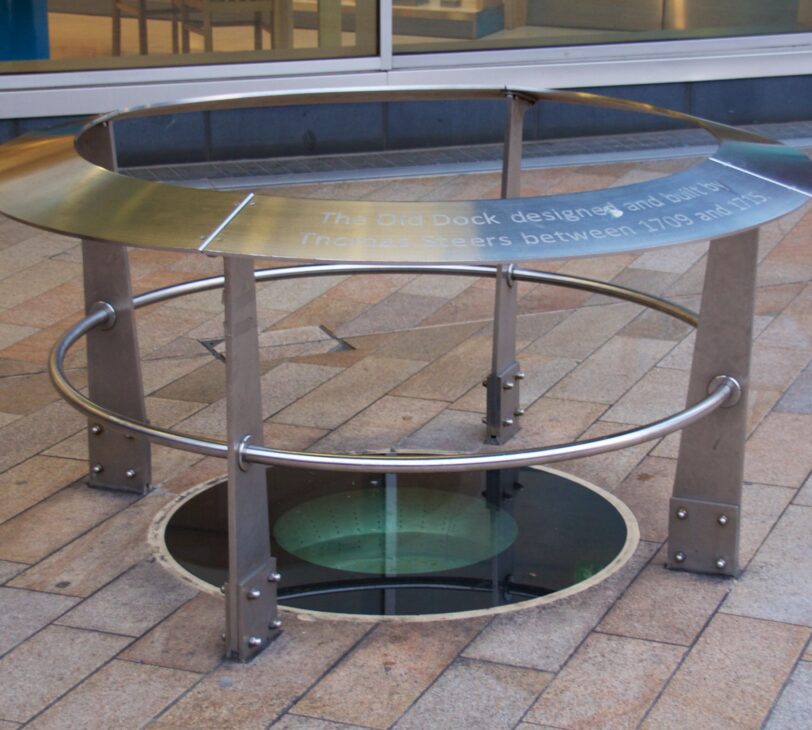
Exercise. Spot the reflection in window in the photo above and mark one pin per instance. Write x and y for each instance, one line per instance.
(46, 35)
(438, 25)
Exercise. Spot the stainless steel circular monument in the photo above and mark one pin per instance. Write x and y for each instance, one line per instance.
(66, 180)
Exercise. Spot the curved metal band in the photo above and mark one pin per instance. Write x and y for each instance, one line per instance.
(724, 387)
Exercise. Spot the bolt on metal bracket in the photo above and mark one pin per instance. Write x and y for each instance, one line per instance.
(703, 536)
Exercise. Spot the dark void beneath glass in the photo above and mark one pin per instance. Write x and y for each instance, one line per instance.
(415, 544)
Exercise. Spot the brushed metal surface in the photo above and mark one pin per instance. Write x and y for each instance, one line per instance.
(748, 181)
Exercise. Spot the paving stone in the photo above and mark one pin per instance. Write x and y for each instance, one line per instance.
(323, 311)
(731, 676)
(397, 312)
(448, 377)
(475, 304)
(50, 305)
(437, 285)
(298, 722)
(624, 676)
(676, 259)
(291, 294)
(612, 370)
(372, 288)
(8, 570)
(23, 613)
(804, 495)
(471, 694)
(254, 695)
(337, 400)
(605, 470)
(189, 639)
(6, 418)
(12, 333)
(203, 384)
(383, 676)
(54, 522)
(776, 367)
(657, 326)
(666, 606)
(161, 325)
(658, 394)
(35, 480)
(450, 431)
(381, 426)
(281, 386)
(29, 435)
(794, 707)
(156, 592)
(770, 587)
(422, 343)
(798, 398)
(762, 505)
(28, 393)
(545, 636)
(778, 452)
(97, 557)
(553, 421)
(41, 669)
(32, 283)
(647, 492)
(121, 695)
(583, 331)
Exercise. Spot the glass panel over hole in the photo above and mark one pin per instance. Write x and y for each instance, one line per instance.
(406, 545)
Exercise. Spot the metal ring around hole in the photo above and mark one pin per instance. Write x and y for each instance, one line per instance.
(348, 462)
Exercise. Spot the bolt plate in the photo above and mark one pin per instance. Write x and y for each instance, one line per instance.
(502, 404)
(256, 614)
(701, 538)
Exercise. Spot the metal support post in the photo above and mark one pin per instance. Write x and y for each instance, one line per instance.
(252, 621)
(703, 534)
(117, 461)
(500, 489)
(502, 410)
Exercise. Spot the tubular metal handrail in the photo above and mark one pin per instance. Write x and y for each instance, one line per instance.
(723, 389)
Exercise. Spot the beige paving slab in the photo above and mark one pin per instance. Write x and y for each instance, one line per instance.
(396, 312)
(25, 394)
(475, 304)
(383, 676)
(381, 426)
(324, 310)
(205, 383)
(9, 725)
(29, 435)
(658, 394)
(33, 282)
(161, 372)
(421, 343)
(167, 463)
(337, 400)
(623, 675)
(290, 294)
(762, 505)
(189, 639)
(161, 325)
(606, 470)
(23, 613)
(299, 722)
(281, 386)
(666, 606)
(122, 695)
(448, 377)
(472, 694)
(731, 677)
(35, 480)
(97, 557)
(12, 333)
(647, 493)
(778, 452)
(372, 288)
(554, 421)
(772, 587)
(804, 495)
(6, 418)
(776, 367)
(677, 259)
(657, 326)
(794, 707)
(54, 522)
(9, 569)
(148, 585)
(51, 305)
(544, 637)
(450, 431)
(254, 695)
(438, 285)
(612, 370)
(46, 666)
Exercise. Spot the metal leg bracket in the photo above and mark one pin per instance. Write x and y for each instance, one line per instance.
(503, 408)
(698, 529)
(257, 623)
